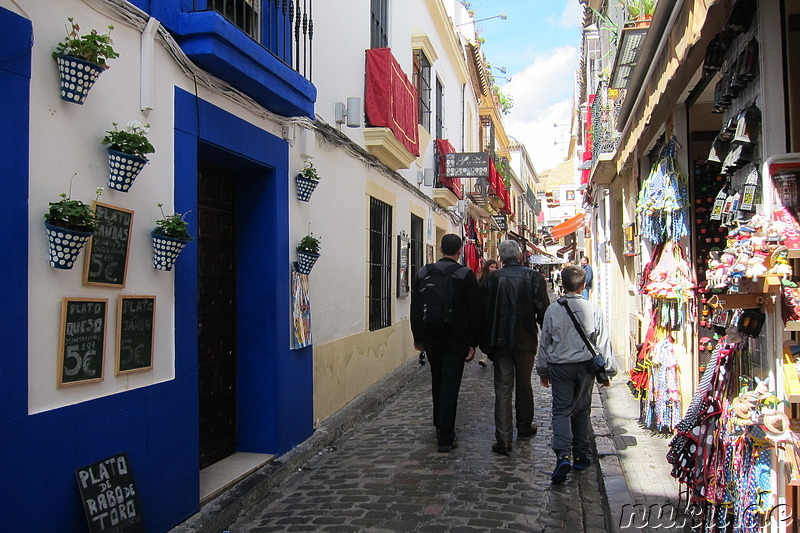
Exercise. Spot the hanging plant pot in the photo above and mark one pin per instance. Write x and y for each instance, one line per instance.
(123, 169)
(306, 262)
(65, 245)
(77, 77)
(166, 250)
(305, 186)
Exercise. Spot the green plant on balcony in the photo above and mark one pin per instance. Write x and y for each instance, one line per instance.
(504, 101)
(640, 9)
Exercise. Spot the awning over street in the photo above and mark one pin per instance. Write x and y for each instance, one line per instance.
(571, 225)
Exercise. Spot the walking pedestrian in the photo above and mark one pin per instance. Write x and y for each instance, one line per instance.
(489, 266)
(445, 323)
(589, 277)
(514, 301)
(565, 362)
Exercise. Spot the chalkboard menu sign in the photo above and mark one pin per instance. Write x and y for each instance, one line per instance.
(466, 165)
(135, 320)
(107, 251)
(82, 340)
(110, 498)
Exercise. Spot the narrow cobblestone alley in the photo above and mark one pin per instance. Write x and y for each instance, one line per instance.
(385, 474)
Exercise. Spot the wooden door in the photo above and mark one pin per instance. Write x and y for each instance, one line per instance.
(216, 313)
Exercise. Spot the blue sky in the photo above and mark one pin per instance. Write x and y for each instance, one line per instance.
(538, 44)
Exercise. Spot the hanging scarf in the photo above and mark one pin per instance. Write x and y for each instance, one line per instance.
(663, 203)
(671, 282)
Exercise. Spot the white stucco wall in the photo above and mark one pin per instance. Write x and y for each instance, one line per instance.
(65, 140)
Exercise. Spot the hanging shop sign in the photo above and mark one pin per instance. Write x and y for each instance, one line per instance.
(500, 220)
(466, 165)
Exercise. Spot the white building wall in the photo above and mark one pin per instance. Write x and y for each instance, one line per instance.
(341, 211)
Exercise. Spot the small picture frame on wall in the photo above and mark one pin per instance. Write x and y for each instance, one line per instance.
(429, 258)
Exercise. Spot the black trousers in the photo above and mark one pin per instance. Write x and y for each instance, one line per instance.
(512, 375)
(447, 367)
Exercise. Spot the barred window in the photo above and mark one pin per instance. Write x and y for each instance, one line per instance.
(422, 81)
(416, 247)
(244, 14)
(379, 22)
(380, 264)
(439, 109)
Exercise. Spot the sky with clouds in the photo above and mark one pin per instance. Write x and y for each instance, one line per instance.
(538, 44)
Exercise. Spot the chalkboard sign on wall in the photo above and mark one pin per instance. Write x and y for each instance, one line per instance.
(107, 251)
(82, 340)
(110, 498)
(135, 329)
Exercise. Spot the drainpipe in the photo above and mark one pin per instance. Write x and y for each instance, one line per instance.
(146, 74)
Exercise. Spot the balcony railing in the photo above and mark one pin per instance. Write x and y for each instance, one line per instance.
(283, 27)
(605, 111)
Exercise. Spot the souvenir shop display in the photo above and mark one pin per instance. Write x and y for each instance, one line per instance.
(669, 281)
(722, 449)
(663, 204)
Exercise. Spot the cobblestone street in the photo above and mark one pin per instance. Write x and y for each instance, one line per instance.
(385, 474)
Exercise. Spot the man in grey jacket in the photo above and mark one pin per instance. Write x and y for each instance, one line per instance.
(566, 363)
(514, 301)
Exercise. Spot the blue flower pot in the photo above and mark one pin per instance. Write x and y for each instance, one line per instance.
(306, 262)
(166, 250)
(65, 245)
(123, 169)
(77, 77)
(305, 186)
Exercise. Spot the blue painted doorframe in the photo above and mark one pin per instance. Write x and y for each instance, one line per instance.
(275, 385)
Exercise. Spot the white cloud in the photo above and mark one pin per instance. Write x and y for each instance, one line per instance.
(572, 16)
(542, 95)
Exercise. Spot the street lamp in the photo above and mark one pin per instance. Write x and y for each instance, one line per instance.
(501, 16)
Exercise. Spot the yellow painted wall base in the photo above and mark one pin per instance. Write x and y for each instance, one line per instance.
(343, 369)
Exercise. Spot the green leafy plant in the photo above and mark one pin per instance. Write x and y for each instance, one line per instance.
(309, 244)
(131, 140)
(93, 47)
(173, 226)
(605, 23)
(72, 214)
(310, 171)
(638, 8)
(505, 101)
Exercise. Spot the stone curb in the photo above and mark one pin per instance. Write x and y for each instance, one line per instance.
(613, 484)
(236, 501)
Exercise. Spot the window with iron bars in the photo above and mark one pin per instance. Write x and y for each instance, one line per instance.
(487, 134)
(417, 251)
(244, 14)
(284, 27)
(380, 265)
(422, 81)
(439, 109)
(379, 22)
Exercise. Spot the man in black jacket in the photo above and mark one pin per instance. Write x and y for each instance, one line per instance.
(514, 301)
(451, 345)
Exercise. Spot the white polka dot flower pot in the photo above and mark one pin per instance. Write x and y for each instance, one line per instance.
(123, 169)
(65, 245)
(77, 77)
(305, 262)
(305, 186)
(166, 250)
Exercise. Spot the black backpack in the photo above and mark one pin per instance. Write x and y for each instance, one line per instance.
(432, 305)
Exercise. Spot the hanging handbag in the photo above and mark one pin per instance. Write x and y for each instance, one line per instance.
(598, 361)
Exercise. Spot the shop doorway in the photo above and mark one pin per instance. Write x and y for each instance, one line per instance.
(216, 313)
